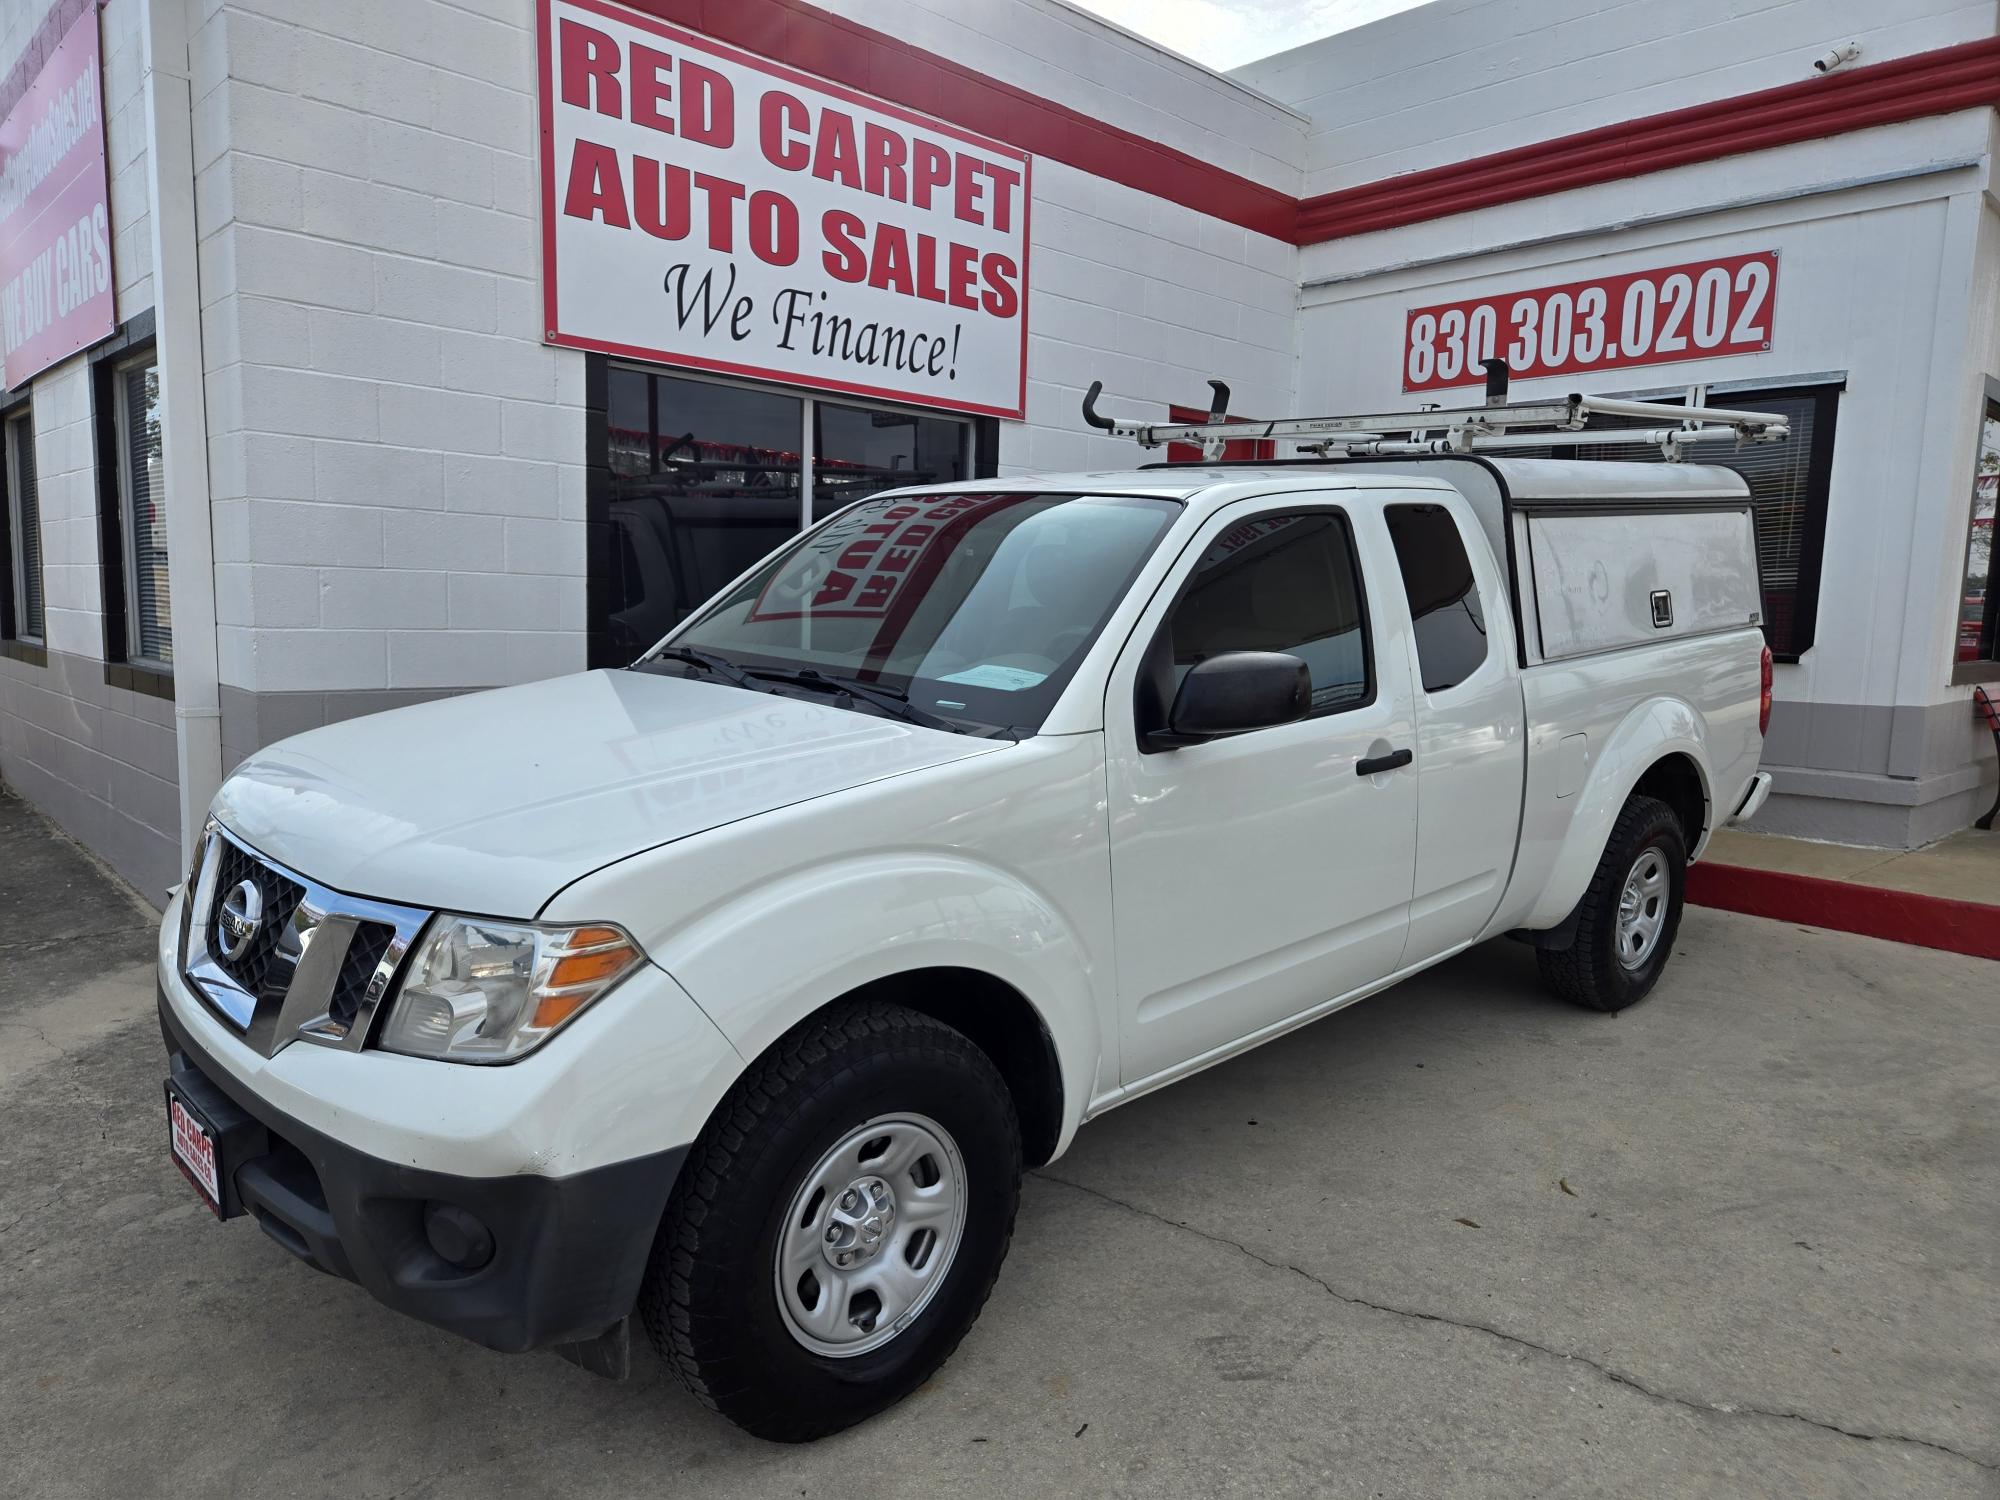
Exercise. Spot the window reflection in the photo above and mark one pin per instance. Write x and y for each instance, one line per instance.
(705, 480)
(1979, 609)
(1444, 600)
(708, 478)
(858, 452)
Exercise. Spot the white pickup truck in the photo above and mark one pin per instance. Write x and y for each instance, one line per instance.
(734, 990)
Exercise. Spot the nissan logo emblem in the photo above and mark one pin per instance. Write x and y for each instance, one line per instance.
(241, 915)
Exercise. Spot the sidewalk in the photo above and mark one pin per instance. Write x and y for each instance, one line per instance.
(1945, 896)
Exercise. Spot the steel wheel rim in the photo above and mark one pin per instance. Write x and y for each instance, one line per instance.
(1642, 907)
(870, 1235)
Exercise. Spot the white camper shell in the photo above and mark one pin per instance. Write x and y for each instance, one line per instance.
(1579, 584)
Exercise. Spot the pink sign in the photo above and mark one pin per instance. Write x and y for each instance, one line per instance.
(55, 225)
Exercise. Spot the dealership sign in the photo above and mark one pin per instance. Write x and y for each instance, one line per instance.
(708, 208)
(1701, 310)
(55, 225)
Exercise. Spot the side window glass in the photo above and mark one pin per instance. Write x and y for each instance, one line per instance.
(1279, 583)
(1444, 601)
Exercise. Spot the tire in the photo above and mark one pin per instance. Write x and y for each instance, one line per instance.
(752, 1339)
(1613, 964)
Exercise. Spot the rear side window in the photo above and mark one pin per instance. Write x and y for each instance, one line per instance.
(1444, 601)
(1280, 583)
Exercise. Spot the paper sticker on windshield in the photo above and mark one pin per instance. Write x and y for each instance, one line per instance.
(1006, 679)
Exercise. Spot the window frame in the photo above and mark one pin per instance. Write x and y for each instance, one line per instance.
(982, 438)
(127, 517)
(1162, 633)
(133, 341)
(1981, 669)
(17, 643)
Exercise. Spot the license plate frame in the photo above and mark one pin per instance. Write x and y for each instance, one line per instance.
(195, 1147)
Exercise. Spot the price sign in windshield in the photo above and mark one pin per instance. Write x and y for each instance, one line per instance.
(1703, 310)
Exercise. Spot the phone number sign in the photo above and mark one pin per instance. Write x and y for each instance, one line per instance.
(1704, 309)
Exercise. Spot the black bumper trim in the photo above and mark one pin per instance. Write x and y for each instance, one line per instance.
(570, 1252)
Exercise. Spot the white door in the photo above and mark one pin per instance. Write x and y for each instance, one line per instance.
(1471, 737)
(1258, 876)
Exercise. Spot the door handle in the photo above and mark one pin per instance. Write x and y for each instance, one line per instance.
(1395, 760)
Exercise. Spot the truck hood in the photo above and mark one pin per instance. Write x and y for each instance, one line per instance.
(492, 802)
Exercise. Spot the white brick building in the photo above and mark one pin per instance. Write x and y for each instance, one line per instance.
(406, 489)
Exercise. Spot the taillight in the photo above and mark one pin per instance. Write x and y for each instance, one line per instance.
(1764, 694)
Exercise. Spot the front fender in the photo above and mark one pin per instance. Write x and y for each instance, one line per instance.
(1654, 729)
(761, 962)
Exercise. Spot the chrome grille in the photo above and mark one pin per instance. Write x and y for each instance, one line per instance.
(318, 963)
(280, 897)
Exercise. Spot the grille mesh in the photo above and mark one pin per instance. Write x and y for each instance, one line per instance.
(371, 941)
(281, 899)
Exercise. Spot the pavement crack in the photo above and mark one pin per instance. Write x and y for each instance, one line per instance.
(29, 1213)
(1609, 1372)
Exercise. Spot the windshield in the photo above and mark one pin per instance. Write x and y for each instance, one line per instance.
(978, 607)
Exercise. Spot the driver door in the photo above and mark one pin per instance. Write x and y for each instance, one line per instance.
(1259, 876)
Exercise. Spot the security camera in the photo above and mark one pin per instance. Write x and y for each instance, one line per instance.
(1826, 62)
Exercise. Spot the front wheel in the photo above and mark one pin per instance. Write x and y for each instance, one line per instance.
(838, 1226)
(1629, 915)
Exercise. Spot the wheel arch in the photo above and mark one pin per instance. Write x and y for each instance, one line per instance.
(1676, 779)
(1660, 749)
(999, 1020)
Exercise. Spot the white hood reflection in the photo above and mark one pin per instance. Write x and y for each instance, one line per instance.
(492, 802)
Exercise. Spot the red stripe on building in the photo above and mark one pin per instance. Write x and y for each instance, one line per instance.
(816, 41)
(1900, 916)
(1905, 88)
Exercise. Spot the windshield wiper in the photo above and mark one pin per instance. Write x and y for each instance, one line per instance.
(716, 666)
(890, 700)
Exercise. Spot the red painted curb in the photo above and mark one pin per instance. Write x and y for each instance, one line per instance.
(1900, 916)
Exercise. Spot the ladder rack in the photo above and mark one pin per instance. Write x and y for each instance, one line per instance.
(1468, 429)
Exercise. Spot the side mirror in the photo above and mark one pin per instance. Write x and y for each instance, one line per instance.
(1235, 692)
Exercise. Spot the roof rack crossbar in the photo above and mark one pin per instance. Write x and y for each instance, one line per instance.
(1463, 429)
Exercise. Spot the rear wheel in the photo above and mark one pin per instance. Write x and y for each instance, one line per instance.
(1629, 915)
(839, 1224)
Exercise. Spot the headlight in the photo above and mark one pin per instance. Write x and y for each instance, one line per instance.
(487, 992)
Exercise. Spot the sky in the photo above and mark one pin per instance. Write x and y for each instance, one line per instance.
(1229, 33)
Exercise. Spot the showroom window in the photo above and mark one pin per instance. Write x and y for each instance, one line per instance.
(142, 519)
(704, 478)
(1976, 641)
(24, 619)
(1789, 483)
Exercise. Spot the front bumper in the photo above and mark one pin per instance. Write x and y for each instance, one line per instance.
(568, 1252)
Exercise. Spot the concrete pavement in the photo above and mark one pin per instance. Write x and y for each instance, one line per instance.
(1457, 1240)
